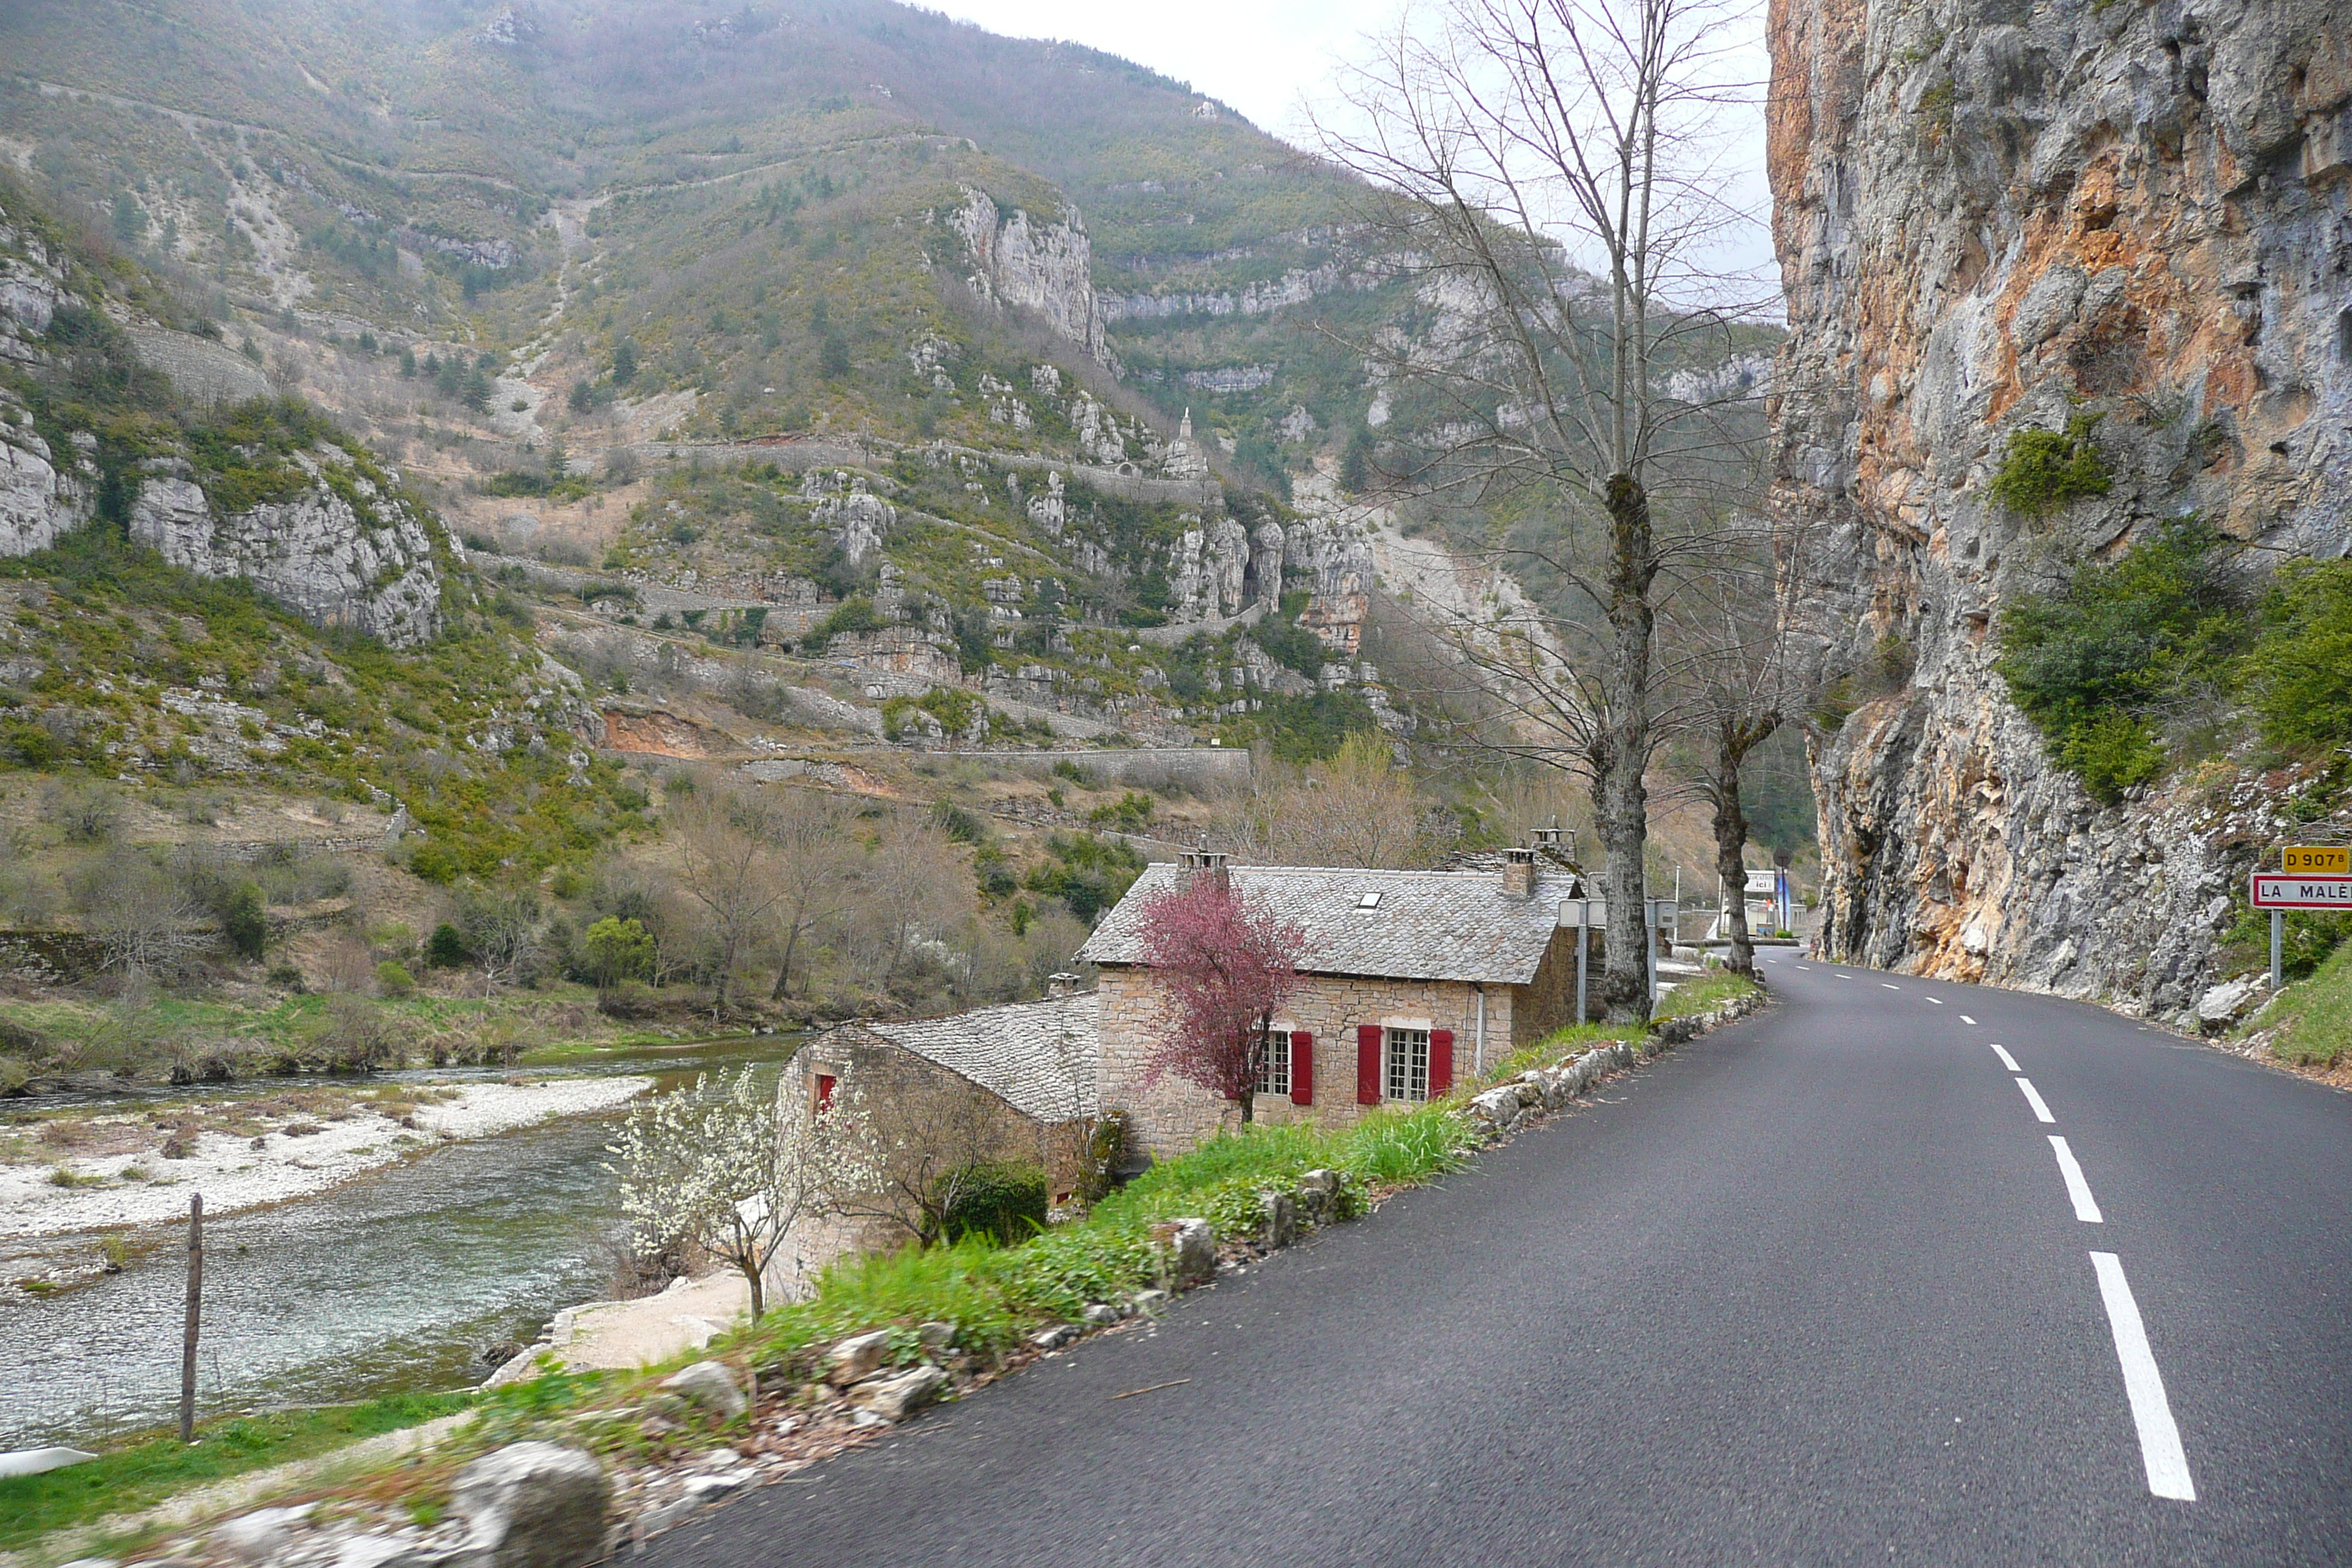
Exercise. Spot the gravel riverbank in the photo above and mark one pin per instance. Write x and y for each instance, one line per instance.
(147, 1183)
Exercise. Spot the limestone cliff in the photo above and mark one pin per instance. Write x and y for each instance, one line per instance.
(1994, 217)
(1045, 267)
(336, 546)
(345, 553)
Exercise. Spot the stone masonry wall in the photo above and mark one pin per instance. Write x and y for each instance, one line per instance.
(1173, 1115)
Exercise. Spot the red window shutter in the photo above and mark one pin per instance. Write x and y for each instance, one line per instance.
(1368, 1064)
(1302, 1067)
(825, 1082)
(1441, 1062)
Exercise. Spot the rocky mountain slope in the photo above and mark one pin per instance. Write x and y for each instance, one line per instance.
(2124, 227)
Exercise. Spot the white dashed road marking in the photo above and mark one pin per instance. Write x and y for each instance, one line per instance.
(2006, 1059)
(1883, 985)
(1966, 1019)
(2034, 1100)
(1938, 1001)
(2086, 1208)
(2159, 1439)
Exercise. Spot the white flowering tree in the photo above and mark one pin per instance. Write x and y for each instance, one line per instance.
(716, 1165)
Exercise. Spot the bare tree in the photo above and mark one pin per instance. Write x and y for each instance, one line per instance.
(727, 865)
(1547, 166)
(808, 838)
(1357, 808)
(914, 887)
(143, 917)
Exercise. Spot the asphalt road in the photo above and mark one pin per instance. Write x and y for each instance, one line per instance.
(1814, 1288)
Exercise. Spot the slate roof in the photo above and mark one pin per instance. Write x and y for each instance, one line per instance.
(1428, 925)
(1037, 1056)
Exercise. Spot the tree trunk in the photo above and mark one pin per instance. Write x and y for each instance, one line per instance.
(751, 1272)
(1730, 846)
(784, 969)
(1621, 809)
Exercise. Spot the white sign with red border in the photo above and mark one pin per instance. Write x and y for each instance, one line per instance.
(2275, 891)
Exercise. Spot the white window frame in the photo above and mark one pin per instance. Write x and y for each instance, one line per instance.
(1278, 1051)
(1399, 1070)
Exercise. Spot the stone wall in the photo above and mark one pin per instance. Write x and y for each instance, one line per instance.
(1172, 1115)
(1996, 219)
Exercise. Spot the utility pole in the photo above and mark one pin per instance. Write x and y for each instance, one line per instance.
(196, 1312)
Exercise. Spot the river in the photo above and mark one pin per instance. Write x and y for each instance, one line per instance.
(396, 1280)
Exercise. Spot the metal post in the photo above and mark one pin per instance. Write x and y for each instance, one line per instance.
(2278, 936)
(1650, 945)
(195, 1308)
(1583, 945)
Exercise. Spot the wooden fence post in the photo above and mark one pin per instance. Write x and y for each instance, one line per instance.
(196, 1309)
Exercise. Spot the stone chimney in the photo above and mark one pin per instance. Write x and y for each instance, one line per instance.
(1202, 862)
(1060, 984)
(1519, 873)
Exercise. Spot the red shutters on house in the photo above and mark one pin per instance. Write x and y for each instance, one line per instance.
(1441, 1062)
(1302, 1067)
(1368, 1064)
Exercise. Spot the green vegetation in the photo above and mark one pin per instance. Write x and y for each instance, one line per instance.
(2298, 675)
(2134, 658)
(1004, 1202)
(2044, 472)
(2315, 1019)
(2100, 666)
(144, 1472)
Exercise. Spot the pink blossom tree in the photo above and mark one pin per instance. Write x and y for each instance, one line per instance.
(1227, 967)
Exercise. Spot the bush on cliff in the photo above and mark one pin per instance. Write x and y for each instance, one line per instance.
(2127, 647)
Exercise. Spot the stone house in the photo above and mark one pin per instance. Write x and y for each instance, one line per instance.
(1410, 977)
(1012, 1084)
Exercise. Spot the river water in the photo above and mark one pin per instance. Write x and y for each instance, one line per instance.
(396, 1280)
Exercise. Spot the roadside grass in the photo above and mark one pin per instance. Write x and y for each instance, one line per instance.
(153, 1469)
(993, 1294)
(2314, 1017)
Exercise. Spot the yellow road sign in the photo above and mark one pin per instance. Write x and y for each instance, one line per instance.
(2320, 862)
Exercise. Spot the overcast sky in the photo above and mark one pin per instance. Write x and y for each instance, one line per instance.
(1265, 58)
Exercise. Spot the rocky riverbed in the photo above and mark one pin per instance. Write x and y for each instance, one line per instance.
(101, 1171)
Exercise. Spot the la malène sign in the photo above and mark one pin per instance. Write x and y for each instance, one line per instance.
(2316, 878)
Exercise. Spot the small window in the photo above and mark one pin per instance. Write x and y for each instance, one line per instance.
(826, 1083)
(1368, 901)
(1274, 1077)
(1406, 1073)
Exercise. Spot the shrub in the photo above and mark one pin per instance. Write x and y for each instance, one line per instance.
(244, 922)
(445, 948)
(2125, 644)
(855, 614)
(1006, 1201)
(2298, 674)
(619, 950)
(2043, 471)
(392, 977)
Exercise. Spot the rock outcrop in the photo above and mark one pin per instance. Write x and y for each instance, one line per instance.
(1990, 220)
(1044, 266)
(345, 553)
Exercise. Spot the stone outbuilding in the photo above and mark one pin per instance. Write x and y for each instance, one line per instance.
(1014, 1084)
(1410, 977)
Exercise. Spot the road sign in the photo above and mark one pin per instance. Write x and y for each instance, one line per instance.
(2334, 861)
(2281, 892)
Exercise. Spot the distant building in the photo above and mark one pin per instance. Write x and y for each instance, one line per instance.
(1410, 979)
(1184, 459)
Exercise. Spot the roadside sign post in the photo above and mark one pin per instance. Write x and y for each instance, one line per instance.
(2315, 878)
